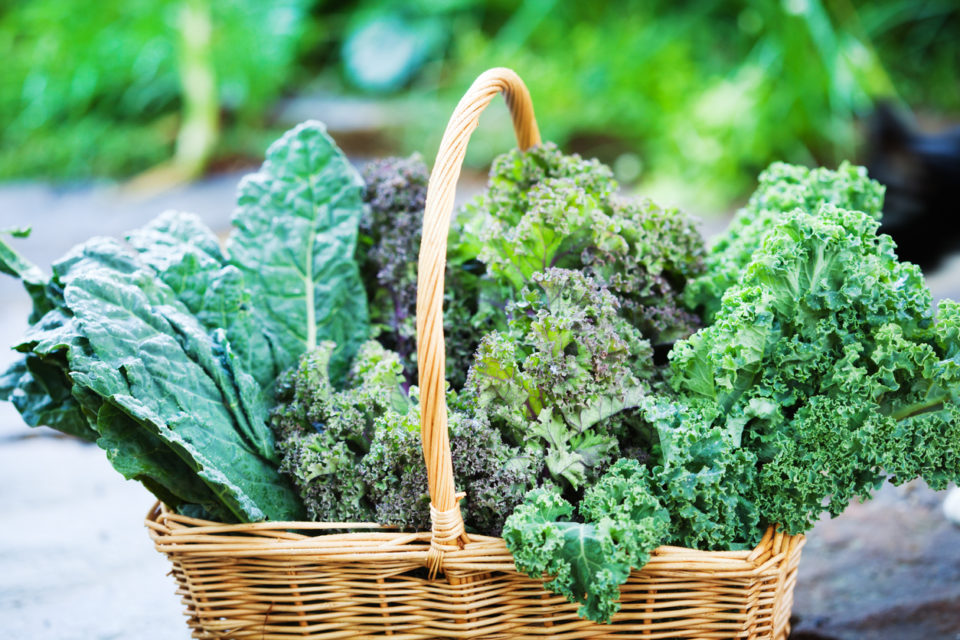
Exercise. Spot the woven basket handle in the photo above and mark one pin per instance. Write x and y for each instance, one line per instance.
(444, 510)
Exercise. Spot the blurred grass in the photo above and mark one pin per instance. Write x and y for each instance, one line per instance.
(691, 98)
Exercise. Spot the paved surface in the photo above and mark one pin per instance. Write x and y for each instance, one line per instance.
(76, 562)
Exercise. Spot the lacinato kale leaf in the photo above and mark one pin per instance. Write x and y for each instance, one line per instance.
(150, 358)
(184, 338)
(186, 255)
(293, 239)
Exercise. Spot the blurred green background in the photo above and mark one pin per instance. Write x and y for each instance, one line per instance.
(685, 98)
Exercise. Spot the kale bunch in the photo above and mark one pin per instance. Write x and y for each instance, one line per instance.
(782, 188)
(693, 492)
(827, 361)
(355, 455)
(544, 209)
(565, 375)
(387, 248)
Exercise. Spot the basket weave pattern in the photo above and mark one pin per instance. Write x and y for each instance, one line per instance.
(278, 581)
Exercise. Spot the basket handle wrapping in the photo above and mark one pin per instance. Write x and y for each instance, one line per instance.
(447, 521)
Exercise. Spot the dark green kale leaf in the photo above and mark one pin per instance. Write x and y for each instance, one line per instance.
(781, 189)
(147, 356)
(702, 476)
(186, 255)
(294, 237)
(588, 561)
(563, 378)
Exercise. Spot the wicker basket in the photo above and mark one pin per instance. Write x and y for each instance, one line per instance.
(280, 580)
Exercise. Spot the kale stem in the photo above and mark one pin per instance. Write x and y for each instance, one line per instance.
(911, 410)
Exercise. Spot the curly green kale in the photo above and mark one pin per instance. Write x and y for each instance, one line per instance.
(781, 189)
(827, 358)
(356, 455)
(587, 562)
(494, 476)
(702, 475)
(564, 376)
(544, 209)
(323, 433)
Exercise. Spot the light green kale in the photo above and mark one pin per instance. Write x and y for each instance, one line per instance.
(544, 209)
(827, 354)
(781, 189)
(587, 562)
(563, 379)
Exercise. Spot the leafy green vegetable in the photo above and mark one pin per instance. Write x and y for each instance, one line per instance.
(294, 237)
(152, 359)
(782, 188)
(563, 377)
(587, 562)
(356, 454)
(828, 354)
(544, 209)
(162, 354)
(186, 255)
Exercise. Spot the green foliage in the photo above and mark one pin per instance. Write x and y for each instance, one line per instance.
(120, 341)
(827, 354)
(323, 433)
(544, 209)
(782, 188)
(703, 477)
(99, 94)
(702, 94)
(588, 561)
(184, 338)
(356, 454)
(564, 375)
(294, 237)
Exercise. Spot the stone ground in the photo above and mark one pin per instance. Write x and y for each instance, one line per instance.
(76, 562)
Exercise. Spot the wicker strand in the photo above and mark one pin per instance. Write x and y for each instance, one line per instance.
(431, 359)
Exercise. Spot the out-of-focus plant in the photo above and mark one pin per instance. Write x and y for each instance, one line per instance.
(703, 94)
(104, 91)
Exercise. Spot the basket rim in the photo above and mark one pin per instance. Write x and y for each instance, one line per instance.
(178, 535)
